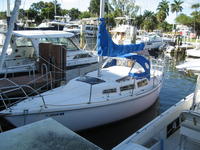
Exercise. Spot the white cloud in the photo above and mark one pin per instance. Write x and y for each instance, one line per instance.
(148, 4)
(82, 5)
(189, 3)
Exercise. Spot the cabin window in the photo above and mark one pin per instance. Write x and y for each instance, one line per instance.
(82, 56)
(142, 83)
(107, 91)
(23, 42)
(127, 87)
(64, 41)
(69, 44)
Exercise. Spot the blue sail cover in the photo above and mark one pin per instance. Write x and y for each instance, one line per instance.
(106, 47)
(143, 62)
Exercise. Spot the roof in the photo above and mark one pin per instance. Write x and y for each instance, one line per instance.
(42, 34)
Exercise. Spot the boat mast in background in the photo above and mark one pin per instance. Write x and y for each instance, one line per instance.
(196, 97)
(55, 2)
(100, 58)
(8, 12)
(9, 32)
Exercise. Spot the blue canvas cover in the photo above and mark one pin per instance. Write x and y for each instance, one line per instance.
(106, 47)
(143, 62)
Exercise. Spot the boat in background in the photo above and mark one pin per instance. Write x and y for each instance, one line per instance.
(88, 30)
(3, 25)
(23, 54)
(123, 34)
(57, 24)
(195, 53)
(152, 40)
(191, 65)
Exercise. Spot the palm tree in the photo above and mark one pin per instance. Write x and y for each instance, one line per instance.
(176, 7)
(149, 22)
(196, 7)
(163, 10)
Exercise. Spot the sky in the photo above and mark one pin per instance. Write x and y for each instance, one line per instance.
(83, 5)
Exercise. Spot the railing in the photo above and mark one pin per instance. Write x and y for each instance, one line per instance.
(30, 67)
(18, 87)
(15, 87)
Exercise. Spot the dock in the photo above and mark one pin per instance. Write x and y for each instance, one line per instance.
(44, 135)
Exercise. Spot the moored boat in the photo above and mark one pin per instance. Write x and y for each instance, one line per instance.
(117, 92)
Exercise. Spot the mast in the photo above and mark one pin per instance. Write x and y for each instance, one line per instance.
(100, 58)
(55, 2)
(196, 97)
(8, 12)
(9, 31)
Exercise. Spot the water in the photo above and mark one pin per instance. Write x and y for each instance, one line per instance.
(176, 85)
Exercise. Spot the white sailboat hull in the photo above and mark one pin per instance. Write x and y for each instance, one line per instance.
(92, 115)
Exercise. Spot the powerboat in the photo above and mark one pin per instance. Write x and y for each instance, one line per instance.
(23, 53)
(88, 30)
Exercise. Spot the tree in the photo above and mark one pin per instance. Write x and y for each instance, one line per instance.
(127, 7)
(37, 6)
(176, 6)
(85, 14)
(138, 21)
(64, 12)
(195, 6)
(163, 10)
(94, 7)
(2, 15)
(43, 10)
(195, 13)
(184, 19)
(74, 13)
(150, 21)
(161, 16)
(165, 26)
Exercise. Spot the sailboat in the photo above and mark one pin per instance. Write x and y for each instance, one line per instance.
(127, 85)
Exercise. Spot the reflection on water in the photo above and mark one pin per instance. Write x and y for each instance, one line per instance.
(176, 85)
